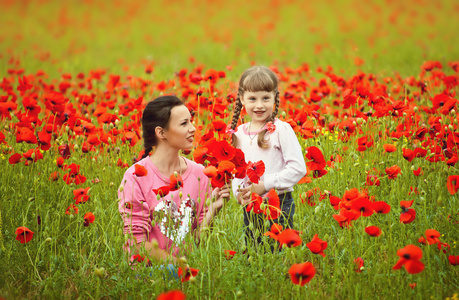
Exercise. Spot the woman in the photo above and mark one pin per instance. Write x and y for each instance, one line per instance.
(156, 218)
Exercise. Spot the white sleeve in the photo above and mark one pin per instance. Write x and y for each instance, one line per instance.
(295, 167)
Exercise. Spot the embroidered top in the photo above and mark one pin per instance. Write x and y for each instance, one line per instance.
(169, 219)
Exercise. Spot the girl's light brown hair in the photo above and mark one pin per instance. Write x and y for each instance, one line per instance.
(256, 79)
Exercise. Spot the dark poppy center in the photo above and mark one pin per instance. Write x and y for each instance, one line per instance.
(406, 256)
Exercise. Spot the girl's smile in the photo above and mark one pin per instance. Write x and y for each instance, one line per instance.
(259, 106)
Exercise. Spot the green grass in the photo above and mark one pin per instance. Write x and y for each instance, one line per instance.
(61, 259)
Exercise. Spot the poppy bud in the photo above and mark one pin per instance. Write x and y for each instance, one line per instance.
(317, 209)
(180, 194)
(192, 279)
(262, 206)
(116, 121)
(100, 272)
(238, 293)
(450, 127)
(413, 168)
(155, 244)
(111, 184)
(76, 147)
(283, 114)
(48, 240)
(121, 188)
(415, 109)
(439, 200)
(158, 197)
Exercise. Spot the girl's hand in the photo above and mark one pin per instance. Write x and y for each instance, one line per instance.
(259, 188)
(245, 194)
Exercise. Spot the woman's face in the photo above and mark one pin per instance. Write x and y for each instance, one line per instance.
(180, 132)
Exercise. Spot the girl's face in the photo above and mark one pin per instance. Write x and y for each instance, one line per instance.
(180, 132)
(259, 106)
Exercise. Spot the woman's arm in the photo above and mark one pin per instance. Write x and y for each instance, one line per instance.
(219, 197)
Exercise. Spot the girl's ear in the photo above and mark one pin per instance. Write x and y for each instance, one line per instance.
(159, 132)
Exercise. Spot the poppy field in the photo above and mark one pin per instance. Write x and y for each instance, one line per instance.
(370, 88)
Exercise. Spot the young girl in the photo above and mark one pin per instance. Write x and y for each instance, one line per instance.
(157, 222)
(268, 139)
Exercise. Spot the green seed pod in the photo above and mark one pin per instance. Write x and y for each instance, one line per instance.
(439, 200)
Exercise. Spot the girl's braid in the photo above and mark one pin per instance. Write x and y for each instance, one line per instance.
(237, 108)
(276, 102)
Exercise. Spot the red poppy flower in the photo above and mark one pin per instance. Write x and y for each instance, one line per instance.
(255, 204)
(229, 254)
(432, 236)
(71, 210)
(412, 285)
(364, 143)
(334, 201)
(219, 126)
(317, 246)
(407, 215)
(452, 183)
(54, 176)
(359, 264)
(393, 171)
(221, 175)
(363, 206)
(15, 158)
(162, 191)
(373, 180)
(140, 171)
(302, 273)
(443, 247)
(60, 162)
(176, 182)
(373, 230)
(409, 258)
(319, 173)
(317, 157)
(389, 148)
(290, 237)
(418, 172)
(23, 234)
(381, 207)
(88, 218)
(81, 195)
(186, 275)
(222, 150)
(453, 260)
(172, 295)
(408, 154)
(276, 229)
(272, 210)
(270, 127)
(255, 170)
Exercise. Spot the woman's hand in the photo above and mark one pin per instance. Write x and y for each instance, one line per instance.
(221, 195)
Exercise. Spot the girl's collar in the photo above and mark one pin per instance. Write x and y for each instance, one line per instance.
(245, 128)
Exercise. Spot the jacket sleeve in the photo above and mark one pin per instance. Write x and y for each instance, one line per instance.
(133, 208)
(295, 167)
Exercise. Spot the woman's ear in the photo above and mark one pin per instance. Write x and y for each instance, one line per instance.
(159, 132)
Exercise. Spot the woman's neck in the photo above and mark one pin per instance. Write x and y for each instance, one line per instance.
(168, 161)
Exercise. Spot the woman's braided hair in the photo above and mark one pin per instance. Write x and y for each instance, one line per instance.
(256, 79)
(157, 113)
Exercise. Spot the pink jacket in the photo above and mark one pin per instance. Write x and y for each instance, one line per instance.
(175, 216)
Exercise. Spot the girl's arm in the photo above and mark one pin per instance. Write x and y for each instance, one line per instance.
(295, 167)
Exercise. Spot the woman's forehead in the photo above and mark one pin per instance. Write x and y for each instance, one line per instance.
(180, 112)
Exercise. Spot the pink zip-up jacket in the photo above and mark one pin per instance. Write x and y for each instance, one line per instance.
(165, 219)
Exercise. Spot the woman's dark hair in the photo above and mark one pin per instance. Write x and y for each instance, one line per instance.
(156, 113)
